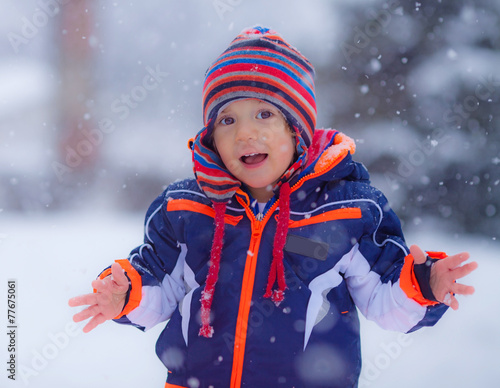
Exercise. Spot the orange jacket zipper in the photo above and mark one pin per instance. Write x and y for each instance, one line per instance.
(246, 293)
(249, 274)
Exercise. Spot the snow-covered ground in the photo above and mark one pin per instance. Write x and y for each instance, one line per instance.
(53, 258)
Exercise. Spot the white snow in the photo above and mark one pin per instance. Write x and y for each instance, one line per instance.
(54, 258)
(24, 84)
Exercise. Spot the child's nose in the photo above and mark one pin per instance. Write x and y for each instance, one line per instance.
(246, 131)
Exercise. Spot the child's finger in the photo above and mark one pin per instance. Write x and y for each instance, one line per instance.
(451, 301)
(100, 285)
(464, 270)
(454, 303)
(462, 289)
(83, 300)
(119, 274)
(93, 323)
(86, 314)
(455, 260)
(419, 256)
(75, 302)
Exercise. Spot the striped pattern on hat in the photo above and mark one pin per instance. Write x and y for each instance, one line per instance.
(260, 64)
(212, 176)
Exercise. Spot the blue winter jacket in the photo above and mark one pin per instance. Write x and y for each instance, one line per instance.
(344, 252)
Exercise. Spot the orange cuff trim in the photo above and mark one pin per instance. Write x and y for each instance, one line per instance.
(167, 385)
(437, 255)
(409, 284)
(136, 291)
(104, 274)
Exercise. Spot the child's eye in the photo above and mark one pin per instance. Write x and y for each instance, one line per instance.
(226, 121)
(265, 114)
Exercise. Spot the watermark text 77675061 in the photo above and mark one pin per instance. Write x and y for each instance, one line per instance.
(11, 328)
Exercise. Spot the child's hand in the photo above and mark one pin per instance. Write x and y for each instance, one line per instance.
(444, 274)
(106, 303)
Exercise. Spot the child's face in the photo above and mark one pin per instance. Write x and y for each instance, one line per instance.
(255, 144)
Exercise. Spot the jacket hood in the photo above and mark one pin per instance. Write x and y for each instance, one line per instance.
(215, 179)
(330, 158)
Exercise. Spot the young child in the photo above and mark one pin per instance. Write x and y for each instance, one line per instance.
(260, 263)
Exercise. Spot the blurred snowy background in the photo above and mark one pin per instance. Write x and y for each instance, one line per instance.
(98, 100)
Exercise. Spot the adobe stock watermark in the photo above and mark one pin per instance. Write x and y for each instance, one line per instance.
(41, 358)
(389, 351)
(458, 116)
(224, 6)
(379, 20)
(417, 157)
(121, 107)
(30, 27)
(264, 309)
(484, 91)
(3, 236)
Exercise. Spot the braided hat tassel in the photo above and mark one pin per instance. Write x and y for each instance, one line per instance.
(277, 271)
(207, 294)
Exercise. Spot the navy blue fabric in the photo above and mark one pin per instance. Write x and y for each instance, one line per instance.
(274, 354)
(423, 275)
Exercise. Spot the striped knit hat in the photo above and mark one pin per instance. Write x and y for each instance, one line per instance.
(257, 64)
(260, 64)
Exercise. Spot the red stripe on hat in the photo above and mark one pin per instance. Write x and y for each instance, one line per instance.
(217, 182)
(238, 54)
(261, 91)
(263, 71)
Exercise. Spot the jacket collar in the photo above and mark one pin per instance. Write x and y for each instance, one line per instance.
(330, 158)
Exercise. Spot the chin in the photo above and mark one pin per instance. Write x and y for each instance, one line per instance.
(260, 185)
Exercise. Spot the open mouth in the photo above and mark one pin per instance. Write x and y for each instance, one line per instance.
(251, 159)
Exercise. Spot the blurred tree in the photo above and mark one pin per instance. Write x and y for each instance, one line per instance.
(418, 85)
(77, 142)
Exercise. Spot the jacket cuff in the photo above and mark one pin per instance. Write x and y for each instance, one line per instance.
(423, 276)
(134, 294)
(414, 279)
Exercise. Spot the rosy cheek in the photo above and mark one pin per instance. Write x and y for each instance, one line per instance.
(266, 136)
(287, 148)
(232, 166)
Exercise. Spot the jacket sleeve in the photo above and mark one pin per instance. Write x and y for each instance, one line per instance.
(155, 272)
(380, 275)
